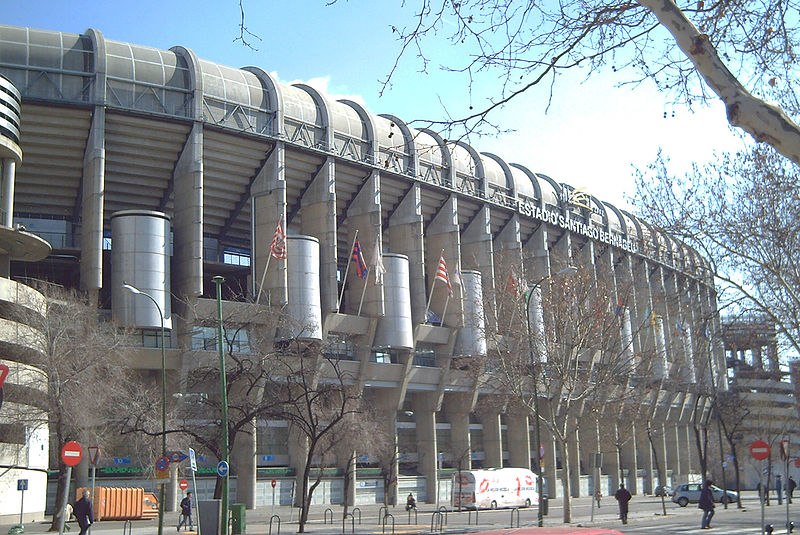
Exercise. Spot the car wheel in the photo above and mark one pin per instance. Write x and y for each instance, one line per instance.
(528, 502)
(683, 501)
(493, 505)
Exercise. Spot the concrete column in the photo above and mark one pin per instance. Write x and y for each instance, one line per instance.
(318, 219)
(673, 450)
(645, 460)
(659, 438)
(457, 406)
(772, 355)
(346, 458)
(691, 450)
(92, 203)
(519, 440)
(9, 175)
(492, 439)
(442, 234)
(364, 215)
(171, 503)
(187, 220)
(406, 236)
(477, 251)
(573, 450)
(549, 464)
(611, 458)
(243, 464)
(427, 447)
(537, 255)
(629, 462)
(298, 450)
(268, 206)
(685, 448)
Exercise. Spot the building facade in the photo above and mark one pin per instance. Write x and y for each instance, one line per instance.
(180, 169)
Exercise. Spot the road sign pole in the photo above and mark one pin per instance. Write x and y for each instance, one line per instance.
(273, 501)
(21, 506)
(63, 507)
(763, 492)
(785, 451)
(94, 498)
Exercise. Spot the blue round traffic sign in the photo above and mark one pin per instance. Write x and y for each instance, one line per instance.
(222, 469)
(162, 464)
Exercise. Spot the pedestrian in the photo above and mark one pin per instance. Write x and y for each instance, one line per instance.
(790, 485)
(779, 489)
(83, 512)
(186, 513)
(597, 496)
(411, 503)
(623, 497)
(707, 505)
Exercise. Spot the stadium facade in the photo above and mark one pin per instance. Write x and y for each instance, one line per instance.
(179, 169)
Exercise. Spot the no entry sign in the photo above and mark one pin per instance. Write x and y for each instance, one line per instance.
(759, 450)
(273, 483)
(71, 453)
(183, 484)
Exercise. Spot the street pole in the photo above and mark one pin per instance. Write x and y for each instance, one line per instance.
(218, 280)
(161, 493)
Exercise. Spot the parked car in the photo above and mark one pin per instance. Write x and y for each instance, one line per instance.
(690, 493)
(666, 490)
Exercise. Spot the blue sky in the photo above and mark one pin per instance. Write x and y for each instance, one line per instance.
(591, 135)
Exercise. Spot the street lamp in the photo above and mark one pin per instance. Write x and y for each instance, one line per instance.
(136, 291)
(218, 280)
(537, 285)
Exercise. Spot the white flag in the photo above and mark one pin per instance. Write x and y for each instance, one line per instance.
(377, 260)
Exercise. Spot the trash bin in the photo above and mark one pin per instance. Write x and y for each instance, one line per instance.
(238, 525)
(545, 506)
(209, 513)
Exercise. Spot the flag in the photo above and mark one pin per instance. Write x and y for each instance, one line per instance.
(358, 260)
(680, 328)
(512, 286)
(441, 274)
(278, 247)
(377, 260)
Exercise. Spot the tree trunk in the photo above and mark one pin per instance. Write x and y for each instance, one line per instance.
(565, 470)
(736, 467)
(61, 490)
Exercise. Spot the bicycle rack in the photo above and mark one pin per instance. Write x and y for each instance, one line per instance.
(443, 510)
(387, 515)
(325, 516)
(127, 528)
(352, 522)
(469, 517)
(353, 511)
(436, 522)
(275, 517)
(416, 519)
(514, 510)
(381, 512)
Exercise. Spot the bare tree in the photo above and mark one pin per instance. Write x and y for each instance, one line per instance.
(74, 356)
(689, 49)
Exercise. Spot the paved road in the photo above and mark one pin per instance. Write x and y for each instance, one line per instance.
(645, 518)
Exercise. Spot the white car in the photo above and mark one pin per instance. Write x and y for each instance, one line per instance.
(690, 493)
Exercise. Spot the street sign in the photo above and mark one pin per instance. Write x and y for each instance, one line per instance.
(94, 454)
(273, 483)
(192, 460)
(759, 450)
(71, 453)
(784, 449)
(22, 484)
(162, 464)
(3, 374)
(183, 485)
(222, 469)
(797, 462)
(177, 456)
(122, 460)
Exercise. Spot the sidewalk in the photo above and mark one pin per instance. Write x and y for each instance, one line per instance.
(319, 523)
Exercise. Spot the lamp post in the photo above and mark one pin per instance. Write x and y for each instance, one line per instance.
(536, 286)
(218, 280)
(135, 291)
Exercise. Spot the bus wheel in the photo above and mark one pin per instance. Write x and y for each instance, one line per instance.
(528, 502)
(493, 505)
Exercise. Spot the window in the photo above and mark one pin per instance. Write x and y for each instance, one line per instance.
(236, 257)
(205, 338)
(340, 349)
(384, 356)
(424, 357)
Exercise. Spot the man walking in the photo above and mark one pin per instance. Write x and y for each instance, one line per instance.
(623, 497)
(186, 513)
(790, 486)
(83, 512)
(706, 504)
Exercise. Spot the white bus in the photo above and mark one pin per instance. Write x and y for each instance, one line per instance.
(494, 488)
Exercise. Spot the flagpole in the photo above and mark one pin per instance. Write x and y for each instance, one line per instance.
(263, 276)
(444, 312)
(346, 270)
(364, 290)
(430, 296)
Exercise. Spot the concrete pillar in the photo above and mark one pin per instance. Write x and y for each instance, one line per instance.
(573, 450)
(298, 450)
(427, 447)
(673, 450)
(519, 440)
(268, 206)
(406, 236)
(685, 448)
(457, 407)
(92, 199)
(659, 439)
(346, 458)
(243, 464)
(318, 219)
(611, 458)
(645, 460)
(629, 461)
(7, 206)
(442, 235)
(537, 255)
(772, 355)
(492, 439)
(171, 503)
(549, 463)
(477, 251)
(187, 220)
(364, 216)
